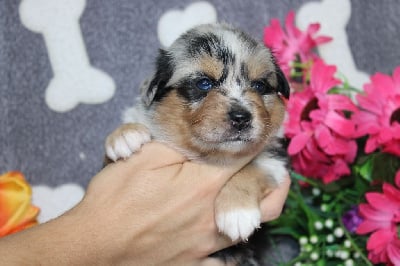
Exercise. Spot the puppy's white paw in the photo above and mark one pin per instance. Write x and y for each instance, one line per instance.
(239, 223)
(126, 140)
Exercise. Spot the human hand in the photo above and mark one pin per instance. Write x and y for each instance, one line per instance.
(156, 208)
(272, 204)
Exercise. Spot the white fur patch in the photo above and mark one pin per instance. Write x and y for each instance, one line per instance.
(124, 145)
(281, 131)
(239, 223)
(175, 22)
(135, 114)
(274, 167)
(75, 80)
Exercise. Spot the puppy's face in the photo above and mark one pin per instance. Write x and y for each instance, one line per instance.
(216, 93)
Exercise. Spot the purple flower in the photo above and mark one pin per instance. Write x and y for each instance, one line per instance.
(352, 219)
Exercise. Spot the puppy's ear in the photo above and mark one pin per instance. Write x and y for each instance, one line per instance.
(147, 93)
(283, 84)
(154, 88)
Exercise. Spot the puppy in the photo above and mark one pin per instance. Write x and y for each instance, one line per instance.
(217, 95)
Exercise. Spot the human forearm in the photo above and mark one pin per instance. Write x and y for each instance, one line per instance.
(63, 241)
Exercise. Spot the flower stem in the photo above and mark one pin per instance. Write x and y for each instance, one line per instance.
(353, 243)
(304, 179)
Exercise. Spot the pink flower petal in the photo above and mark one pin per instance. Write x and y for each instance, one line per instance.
(313, 28)
(384, 135)
(367, 226)
(371, 144)
(369, 104)
(323, 136)
(397, 177)
(273, 35)
(339, 124)
(323, 39)
(392, 193)
(396, 76)
(384, 83)
(315, 153)
(371, 214)
(366, 123)
(381, 202)
(380, 239)
(298, 142)
(351, 151)
(322, 77)
(341, 168)
(392, 147)
(340, 102)
(289, 24)
(393, 251)
(380, 99)
(341, 146)
(329, 177)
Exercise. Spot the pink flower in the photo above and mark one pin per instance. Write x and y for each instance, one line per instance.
(379, 115)
(293, 44)
(322, 138)
(384, 247)
(381, 218)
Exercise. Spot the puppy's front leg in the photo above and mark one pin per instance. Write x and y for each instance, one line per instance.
(126, 140)
(237, 207)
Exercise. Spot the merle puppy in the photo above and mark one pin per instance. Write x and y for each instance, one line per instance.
(216, 96)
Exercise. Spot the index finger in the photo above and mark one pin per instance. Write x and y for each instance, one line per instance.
(155, 155)
(271, 206)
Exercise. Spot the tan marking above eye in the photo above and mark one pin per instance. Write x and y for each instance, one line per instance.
(259, 65)
(211, 67)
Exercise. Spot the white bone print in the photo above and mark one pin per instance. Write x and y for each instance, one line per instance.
(75, 80)
(174, 22)
(54, 201)
(333, 15)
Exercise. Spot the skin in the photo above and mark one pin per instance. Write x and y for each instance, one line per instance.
(152, 209)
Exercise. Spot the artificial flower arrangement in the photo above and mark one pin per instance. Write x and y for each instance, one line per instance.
(16, 211)
(344, 145)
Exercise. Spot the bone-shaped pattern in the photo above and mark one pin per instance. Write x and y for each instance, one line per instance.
(40, 15)
(174, 22)
(75, 80)
(55, 201)
(333, 15)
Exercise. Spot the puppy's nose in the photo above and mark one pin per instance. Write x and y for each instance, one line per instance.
(240, 118)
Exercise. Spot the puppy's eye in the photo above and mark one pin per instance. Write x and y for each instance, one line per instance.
(204, 84)
(261, 87)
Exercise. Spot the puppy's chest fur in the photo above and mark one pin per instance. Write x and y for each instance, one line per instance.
(216, 96)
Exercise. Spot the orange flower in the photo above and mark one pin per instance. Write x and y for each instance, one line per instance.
(16, 211)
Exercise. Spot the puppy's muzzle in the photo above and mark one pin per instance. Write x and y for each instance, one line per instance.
(240, 118)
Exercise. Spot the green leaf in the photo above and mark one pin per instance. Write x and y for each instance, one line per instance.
(360, 186)
(364, 168)
(385, 167)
